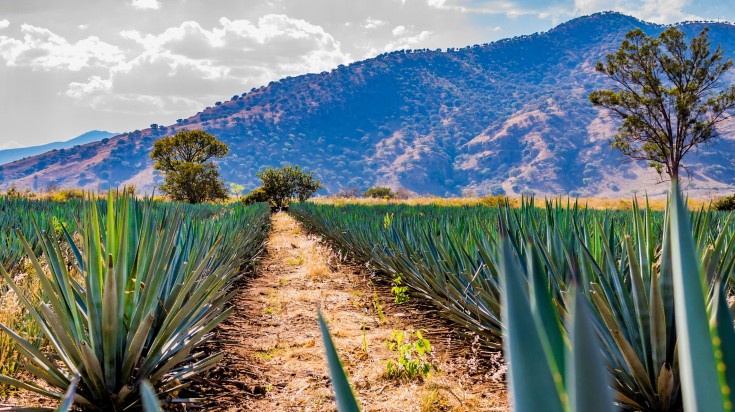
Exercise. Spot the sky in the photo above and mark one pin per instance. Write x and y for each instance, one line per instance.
(70, 66)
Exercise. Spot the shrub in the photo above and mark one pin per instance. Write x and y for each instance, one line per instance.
(379, 192)
(64, 195)
(411, 350)
(724, 203)
(494, 200)
(256, 196)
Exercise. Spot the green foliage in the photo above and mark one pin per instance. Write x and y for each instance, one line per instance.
(15, 192)
(411, 351)
(399, 290)
(256, 196)
(726, 203)
(387, 220)
(702, 389)
(306, 186)
(567, 374)
(130, 297)
(64, 195)
(621, 261)
(346, 401)
(670, 99)
(185, 160)
(561, 338)
(283, 184)
(236, 189)
(379, 192)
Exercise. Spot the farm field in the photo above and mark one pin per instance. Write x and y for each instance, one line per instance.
(100, 294)
(390, 206)
(232, 292)
(623, 262)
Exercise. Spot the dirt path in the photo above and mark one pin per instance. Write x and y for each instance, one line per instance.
(274, 357)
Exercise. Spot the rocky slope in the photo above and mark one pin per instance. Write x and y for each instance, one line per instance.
(506, 117)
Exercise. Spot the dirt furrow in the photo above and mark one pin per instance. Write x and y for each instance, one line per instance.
(274, 358)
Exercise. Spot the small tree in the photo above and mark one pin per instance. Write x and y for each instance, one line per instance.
(282, 185)
(185, 159)
(379, 192)
(306, 186)
(669, 97)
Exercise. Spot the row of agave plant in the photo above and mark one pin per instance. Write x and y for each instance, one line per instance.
(617, 267)
(17, 213)
(131, 291)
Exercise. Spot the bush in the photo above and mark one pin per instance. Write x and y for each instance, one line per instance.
(64, 195)
(494, 200)
(256, 196)
(379, 192)
(282, 185)
(724, 203)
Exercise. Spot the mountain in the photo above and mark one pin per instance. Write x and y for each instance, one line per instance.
(506, 117)
(11, 155)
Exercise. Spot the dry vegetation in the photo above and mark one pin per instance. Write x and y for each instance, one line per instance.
(275, 353)
(597, 203)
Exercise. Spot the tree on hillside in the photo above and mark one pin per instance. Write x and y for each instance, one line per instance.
(186, 161)
(283, 184)
(670, 96)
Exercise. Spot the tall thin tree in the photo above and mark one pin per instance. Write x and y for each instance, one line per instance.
(670, 95)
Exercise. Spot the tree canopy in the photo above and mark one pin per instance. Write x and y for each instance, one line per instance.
(670, 95)
(280, 185)
(186, 161)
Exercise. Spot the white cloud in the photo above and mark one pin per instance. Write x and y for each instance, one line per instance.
(94, 84)
(508, 8)
(656, 11)
(437, 3)
(409, 41)
(192, 63)
(4, 23)
(399, 30)
(42, 49)
(146, 4)
(371, 23)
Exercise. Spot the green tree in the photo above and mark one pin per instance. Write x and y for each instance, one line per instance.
(670, 96)
(306, 186)
(186, 161)
(379, 192)
(280, 185)
(257, 195)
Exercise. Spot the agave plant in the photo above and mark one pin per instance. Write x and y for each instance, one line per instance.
(621, 260)
(127, 315)
(548, 372)
(678, 318)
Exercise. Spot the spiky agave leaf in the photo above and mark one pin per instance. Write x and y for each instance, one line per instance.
(346, 401)
(155, 284)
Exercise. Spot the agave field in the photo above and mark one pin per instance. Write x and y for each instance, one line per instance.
(595, 310)
(107, 303)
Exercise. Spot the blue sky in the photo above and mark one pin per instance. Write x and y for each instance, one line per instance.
(73, 66)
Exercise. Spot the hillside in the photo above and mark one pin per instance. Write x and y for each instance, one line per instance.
(506, 117)
(11, 155)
